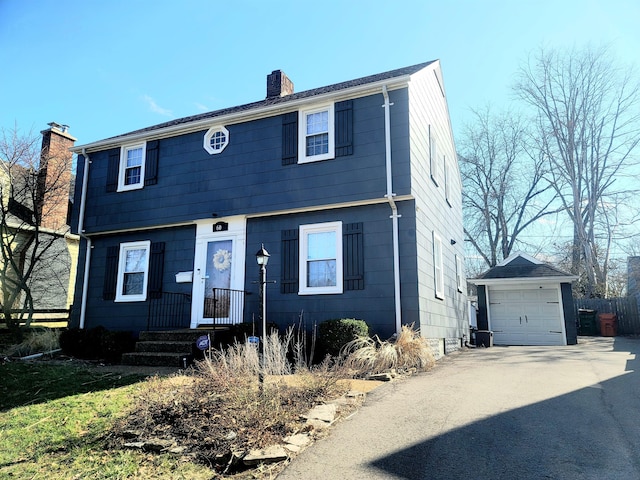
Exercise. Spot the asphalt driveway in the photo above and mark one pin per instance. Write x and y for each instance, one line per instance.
(498, 413)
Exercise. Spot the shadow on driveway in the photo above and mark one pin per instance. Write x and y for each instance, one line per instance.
(590, 433)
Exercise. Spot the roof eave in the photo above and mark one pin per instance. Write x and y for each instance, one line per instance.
(549, 279)
(243, 116)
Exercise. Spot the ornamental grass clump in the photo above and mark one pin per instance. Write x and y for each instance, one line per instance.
(409, 350)
(43, 340)
(220, 410)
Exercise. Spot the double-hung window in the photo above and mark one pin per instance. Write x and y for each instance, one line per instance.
(133, 272)
(438, 267)
(321, 258)
(316, 134)
(459, 273)
(132, 163)
(433, 156)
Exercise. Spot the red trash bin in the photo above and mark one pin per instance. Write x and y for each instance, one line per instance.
(608, 324)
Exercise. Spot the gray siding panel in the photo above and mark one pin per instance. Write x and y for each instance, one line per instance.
(570, 323)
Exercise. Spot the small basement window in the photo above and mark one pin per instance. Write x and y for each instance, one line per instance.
(216, 139)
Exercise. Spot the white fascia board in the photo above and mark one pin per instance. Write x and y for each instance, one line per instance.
(515, 255)
(244, 116)
(522, 280)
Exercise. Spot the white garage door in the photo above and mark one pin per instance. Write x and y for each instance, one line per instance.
(526, 317)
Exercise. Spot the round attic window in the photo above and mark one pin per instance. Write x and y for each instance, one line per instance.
(216, 139)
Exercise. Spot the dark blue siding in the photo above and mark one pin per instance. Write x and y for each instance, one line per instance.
(570, 323)
(248, 176)
(178, 256)
(374, 304)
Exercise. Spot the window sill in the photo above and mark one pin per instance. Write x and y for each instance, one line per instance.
(315, 158)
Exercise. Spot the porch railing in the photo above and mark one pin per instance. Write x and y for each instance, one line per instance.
(170, 311)
(225, 306)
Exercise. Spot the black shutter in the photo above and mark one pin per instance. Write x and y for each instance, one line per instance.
(156, 269)
(290, 138)
(344, 128)
(151, 163)
(289, 274)
(353, 256)
(112, 170)
(111, 273)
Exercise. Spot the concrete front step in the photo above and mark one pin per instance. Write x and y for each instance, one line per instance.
(175, 335)
(158, 359)
(171, 348)
(166, 347)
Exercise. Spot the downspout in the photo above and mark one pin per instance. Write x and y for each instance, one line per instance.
(394, 209)
(87, 259)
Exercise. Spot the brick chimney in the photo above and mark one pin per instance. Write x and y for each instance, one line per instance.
(278, 84)
(54, 176)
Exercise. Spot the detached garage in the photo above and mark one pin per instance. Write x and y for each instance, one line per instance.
(524, 301)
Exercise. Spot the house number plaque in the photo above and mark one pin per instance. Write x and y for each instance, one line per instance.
(221, 227)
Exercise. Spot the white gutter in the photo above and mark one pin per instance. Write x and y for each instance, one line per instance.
(394, 209)
(87, 259)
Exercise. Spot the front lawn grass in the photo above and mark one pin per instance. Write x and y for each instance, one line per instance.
(55, 420)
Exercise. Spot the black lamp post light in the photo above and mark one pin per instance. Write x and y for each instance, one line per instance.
(262, 257)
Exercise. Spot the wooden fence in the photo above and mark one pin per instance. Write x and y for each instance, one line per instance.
(41, 316)
(625, 309)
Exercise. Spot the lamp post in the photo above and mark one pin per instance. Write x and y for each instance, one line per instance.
(262, 257)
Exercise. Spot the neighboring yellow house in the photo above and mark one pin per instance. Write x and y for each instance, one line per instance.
(39, 199)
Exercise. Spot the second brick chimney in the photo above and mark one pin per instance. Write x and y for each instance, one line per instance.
(54, 178)
(278, 84)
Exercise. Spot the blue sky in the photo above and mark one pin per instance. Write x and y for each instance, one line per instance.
(109, 67)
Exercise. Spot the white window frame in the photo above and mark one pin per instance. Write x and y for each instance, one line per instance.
(123, 167)
(305, 230)
(302, 133)
(459, 274)
(124, 247)
(433, 154)
(438, 266)
(209, 135)
(447, 188)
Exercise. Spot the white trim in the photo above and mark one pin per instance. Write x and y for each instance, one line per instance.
(122, 167)
(433, 156)
(245, 116)
(210, 133)
(205, 234)
(459, 273)
(302, 133)
(124, 247)
(523, 280)
(438, 266)
(305, 230)
(271, 213)
(515, 255)
(447, 188)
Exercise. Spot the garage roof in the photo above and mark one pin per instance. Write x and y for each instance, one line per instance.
(523, 267)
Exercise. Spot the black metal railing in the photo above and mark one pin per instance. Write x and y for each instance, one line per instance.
(225, 306)
(170, 311)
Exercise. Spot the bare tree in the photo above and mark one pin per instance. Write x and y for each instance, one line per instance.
(588, 130)
(504, 193)
(34, 199)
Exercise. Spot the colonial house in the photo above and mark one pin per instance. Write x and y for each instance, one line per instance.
(39, 252)
(352, 188)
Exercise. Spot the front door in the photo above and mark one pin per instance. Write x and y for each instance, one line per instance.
(218, 280)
